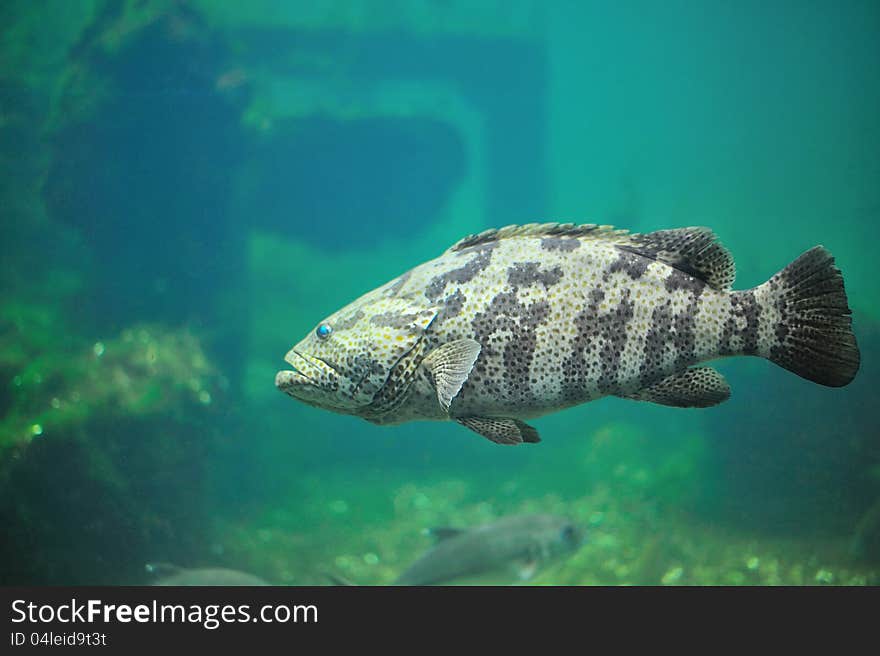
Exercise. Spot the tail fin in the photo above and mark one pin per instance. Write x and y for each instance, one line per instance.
(813, 337)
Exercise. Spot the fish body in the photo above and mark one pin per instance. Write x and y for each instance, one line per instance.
(171, 575)
(521, 543)
(518, 322)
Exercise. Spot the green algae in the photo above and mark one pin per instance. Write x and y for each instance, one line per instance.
(144, 371)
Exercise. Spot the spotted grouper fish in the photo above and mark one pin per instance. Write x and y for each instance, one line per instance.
(518, 322)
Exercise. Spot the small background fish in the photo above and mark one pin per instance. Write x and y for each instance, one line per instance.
(516, 547)
(166, 574)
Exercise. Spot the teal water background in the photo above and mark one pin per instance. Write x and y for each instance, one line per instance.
(188, 188)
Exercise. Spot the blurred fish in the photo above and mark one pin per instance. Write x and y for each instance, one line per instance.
(519, 543)
(865, 544)
(231, 79)
(173, 575)
(519, 322)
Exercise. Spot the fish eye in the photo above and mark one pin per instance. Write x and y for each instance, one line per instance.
(569, 534)
(323, 331)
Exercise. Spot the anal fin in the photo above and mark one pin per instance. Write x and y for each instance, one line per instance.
(527, 569)
(700, 387)
(501, 430)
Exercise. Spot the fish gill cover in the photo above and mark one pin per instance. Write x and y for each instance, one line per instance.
(188, 189)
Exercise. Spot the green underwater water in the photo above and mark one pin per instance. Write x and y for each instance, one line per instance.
(187, 190)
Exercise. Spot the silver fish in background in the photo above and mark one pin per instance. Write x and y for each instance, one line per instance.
(518, 544)
(522, 321)
(179, 576)
(523, 543)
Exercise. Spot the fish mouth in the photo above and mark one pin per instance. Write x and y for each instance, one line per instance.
(306, 372)
(287, 380)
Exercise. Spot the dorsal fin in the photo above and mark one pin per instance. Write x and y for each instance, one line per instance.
(589, 230)
(694, 250)
(441, 533)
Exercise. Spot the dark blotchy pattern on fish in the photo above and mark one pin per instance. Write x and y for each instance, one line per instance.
(575, 373)
(394, 319)
(519, 351)
(464, 273)
(347, 322)
(506, 314)
(741, 328)
(634, 265)
(452, 306)
(560, 244)
(523, 274)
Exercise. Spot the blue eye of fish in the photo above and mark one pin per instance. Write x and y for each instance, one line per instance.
(323, 331)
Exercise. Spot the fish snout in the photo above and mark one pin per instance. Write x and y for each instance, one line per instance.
(285, 379)
(298, 376)
(309, 379)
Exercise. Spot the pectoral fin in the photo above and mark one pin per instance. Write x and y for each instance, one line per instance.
(527, 569)
(528, 565)
(501, 431)
(450, 365)
(695, 388)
